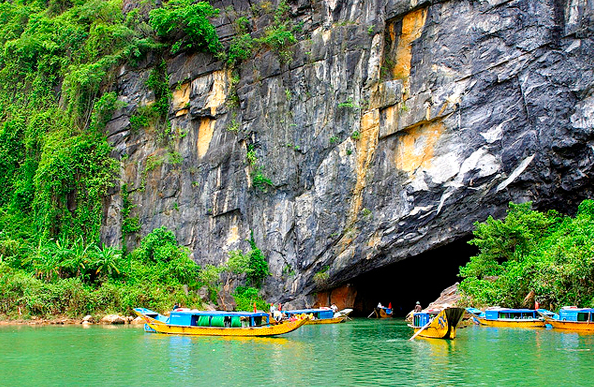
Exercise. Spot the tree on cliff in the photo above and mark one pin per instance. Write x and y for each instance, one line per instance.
(545, 253)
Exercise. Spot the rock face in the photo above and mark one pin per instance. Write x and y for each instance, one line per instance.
(394, 126)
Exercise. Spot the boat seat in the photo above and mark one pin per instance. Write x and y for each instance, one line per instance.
(217, 321)
(204, 321)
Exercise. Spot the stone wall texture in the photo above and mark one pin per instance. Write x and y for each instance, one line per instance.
(391, 129)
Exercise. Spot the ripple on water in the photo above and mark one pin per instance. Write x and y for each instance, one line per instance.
(357, 353)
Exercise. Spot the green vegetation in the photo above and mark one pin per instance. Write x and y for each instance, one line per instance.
(58, 61)
(258, 267)
(246, 296)
(130, 224)
(55, 64)
(58, 64)
(532, 253)
(156, 114)
(321, 277)
(187, 24)
(349, 104)
(258, 179)
(278, 36)
(71, 278)
(241, 48)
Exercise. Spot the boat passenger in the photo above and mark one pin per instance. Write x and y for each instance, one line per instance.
(334, 308)
(418, 307)
(175, 306)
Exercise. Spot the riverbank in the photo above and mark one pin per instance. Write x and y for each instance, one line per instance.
(111, 319)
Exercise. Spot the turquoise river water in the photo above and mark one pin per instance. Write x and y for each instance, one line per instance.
(361, 352)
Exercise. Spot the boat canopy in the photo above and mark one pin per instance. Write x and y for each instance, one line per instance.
(509, 310)
(576, 314)
(319, 312)
(420, 319)
(219, 313)
(501, 313)
(194, 317)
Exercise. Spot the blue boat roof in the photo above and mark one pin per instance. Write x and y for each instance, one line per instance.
(581, 310)
(220, 313)
(313, 310)
(196, 312)
(514, 310)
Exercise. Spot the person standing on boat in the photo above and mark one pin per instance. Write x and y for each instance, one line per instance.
(175, 306)
(334, 308)
(418, 307)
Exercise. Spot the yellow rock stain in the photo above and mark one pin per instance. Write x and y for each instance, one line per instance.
(233, 234)
(180, 99)
(366, 146)
(205, 132)
(415, 147)
(218, 93)
(412, 27)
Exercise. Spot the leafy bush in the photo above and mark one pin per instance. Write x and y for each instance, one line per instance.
(321, 277)
(529, 251)
(188, 23)
(241, 48)
(245, 297)
(258, 266)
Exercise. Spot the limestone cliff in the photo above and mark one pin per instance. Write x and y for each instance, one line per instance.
(392, 128)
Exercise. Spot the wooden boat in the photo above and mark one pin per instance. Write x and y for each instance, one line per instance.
(572, 318)
(320, 315)
(199, 323)
(508, 318)
(437, 324)
(382, 312)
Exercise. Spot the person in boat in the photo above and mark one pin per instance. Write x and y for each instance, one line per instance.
(175, 306)
(276, 313)
(334, 308)
(418, 307)
(379, 305)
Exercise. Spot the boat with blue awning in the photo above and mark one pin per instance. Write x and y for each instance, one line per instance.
(437, 324)
(320, 315)
(217, 323)
(507, 317)
(572, 318)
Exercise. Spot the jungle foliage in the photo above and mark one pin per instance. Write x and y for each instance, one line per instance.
(58, 60)
(532, 256)
(70, 278)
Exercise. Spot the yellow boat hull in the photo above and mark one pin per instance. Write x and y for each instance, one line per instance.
(268, 330)
(443, 326)
(511, 323)
(334, 320)
(572, 325)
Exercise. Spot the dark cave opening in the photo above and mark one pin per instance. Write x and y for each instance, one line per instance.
(421, 278)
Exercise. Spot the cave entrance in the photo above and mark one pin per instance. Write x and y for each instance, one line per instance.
(421, 278)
